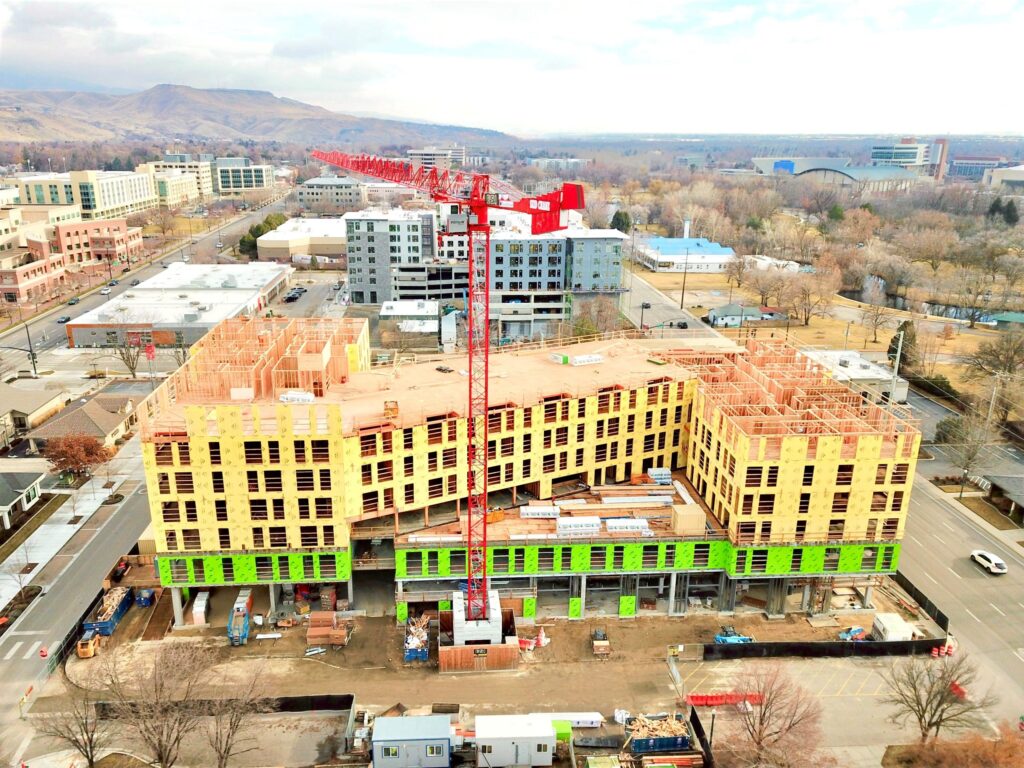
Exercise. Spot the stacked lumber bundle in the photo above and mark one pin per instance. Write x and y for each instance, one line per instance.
(646, 728)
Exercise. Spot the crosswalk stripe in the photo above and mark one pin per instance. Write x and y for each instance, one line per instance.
(31, 650)
(14, 650)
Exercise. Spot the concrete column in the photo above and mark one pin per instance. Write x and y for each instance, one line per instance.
(672, 593)
(777, 589)
(351, 594)
(272, 591)
(179, 615)
(583, 595)
(866, 602)
(399, 591)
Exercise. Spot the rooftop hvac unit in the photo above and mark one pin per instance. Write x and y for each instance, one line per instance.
(578, 526)
(844, 363)
(205, 307)
(546, 513)
(193, 303)
(191, 317)
(585, 359)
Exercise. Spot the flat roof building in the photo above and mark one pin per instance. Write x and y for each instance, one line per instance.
(99, 194)
(180, 304)
(1010, 180)
(238, 175)
(872, 381)
(305, 236)
(684, 254)
(199, 166)
(332, 192)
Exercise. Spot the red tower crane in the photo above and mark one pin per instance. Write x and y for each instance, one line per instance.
(474, 193)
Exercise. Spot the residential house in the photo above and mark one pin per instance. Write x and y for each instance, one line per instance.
(107, 417)
(733, 315)
(412, 742)
(19, 492)
(23, 409)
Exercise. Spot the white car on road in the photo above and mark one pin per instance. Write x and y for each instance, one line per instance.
(104, 291)
(988, 561)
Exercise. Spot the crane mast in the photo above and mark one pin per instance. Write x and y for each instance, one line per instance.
(475, 193)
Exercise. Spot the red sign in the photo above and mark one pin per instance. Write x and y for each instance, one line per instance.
(133, 338)
(150, 351)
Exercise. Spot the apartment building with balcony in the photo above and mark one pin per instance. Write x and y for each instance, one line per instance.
(274, 457)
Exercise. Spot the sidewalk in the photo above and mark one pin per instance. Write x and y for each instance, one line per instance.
(46, 541)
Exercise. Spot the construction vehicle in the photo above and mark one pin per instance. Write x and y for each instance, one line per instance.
(238, 621)
(851, 634)
(475, 194)
(729, 636)
(600, 644)
(88, 644)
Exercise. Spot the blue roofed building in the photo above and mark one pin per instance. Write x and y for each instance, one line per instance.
(684, 254)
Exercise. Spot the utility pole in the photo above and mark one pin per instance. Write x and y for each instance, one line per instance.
(992, 400)
(846, 336)
(686, 268)
(895, 369)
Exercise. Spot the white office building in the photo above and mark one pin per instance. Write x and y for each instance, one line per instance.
(332, 192)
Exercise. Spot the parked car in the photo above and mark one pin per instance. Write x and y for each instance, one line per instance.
(220, 244)
(136, 281)
(991, 563)
(104, 291)
(112, 283)
(64, 319)
(290, 298)
(73, 300)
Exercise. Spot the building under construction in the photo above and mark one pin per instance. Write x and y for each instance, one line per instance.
(625, 475)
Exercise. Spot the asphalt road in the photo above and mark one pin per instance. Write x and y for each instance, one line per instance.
(663, 309)
(52, 615)
(47, 334)
(986, 613)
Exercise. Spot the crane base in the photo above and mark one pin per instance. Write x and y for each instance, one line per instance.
(481, 631)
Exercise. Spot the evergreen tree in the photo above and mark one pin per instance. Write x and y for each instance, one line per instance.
(909, 355)
(996, 209)
(1010, 215)
(836, 213)
(621, 221)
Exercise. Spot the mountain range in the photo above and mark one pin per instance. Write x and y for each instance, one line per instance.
(179, 112)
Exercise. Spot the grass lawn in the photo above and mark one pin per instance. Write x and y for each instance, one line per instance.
(988, 513)
(40, 517)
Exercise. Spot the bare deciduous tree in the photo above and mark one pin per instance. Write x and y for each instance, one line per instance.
(78, 727)
(783, 730)
(874, 314)
(738, 268)
(154, 700)
(811, 295)
(928, 695)
(767, 283)
(230, 721)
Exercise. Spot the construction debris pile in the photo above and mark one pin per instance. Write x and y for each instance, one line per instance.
(417, 639)
(658, 734)
(111, 602)
(326, 629)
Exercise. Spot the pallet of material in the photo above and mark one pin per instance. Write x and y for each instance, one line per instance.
(321, 619)
(318, 635)
(679, 761)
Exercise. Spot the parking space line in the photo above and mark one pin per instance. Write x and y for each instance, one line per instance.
(868, 679)
(849, 677)
(14, 650)
(997, 609)
(826, 683)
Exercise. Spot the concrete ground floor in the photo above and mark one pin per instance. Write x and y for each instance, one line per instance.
(668, 593)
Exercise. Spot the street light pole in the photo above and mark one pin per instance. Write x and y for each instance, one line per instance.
(711, 737)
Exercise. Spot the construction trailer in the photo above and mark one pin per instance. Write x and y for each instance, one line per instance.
(514, 740)
(412, 742)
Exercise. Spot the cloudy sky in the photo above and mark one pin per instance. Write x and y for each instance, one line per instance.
(551, 66)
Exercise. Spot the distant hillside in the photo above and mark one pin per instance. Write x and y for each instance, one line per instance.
(167, 112)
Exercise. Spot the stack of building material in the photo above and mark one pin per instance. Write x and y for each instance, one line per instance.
(201, 609)
(660, 475)
(321, 625)
(341, 633)
(328, 598)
